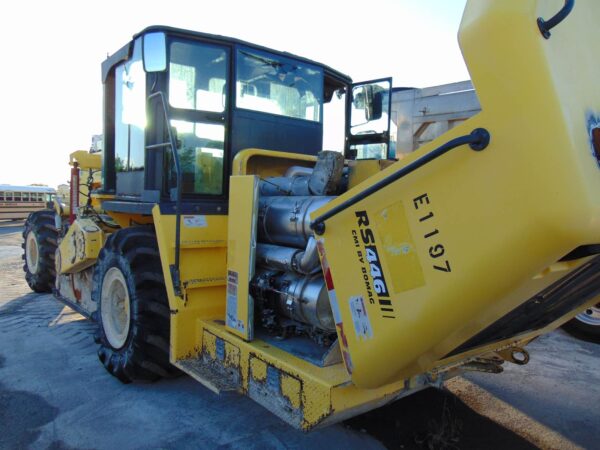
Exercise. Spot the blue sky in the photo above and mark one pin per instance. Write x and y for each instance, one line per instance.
(53, 50)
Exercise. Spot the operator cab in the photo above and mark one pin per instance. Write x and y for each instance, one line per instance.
(211, 97)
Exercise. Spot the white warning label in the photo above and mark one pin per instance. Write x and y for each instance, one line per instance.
(195, 221)
(232, 301)
(360, 318)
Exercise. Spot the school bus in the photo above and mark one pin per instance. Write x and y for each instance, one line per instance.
(17, 202)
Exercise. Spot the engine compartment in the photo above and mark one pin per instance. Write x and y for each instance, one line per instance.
(288, 287)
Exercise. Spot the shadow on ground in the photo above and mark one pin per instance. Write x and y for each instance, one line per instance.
(22, 414)
(435, 419)
(11, 226)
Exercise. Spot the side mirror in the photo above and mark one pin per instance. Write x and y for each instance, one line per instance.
(370, 99)
(375, 109)
(358, 97)
(155, 52)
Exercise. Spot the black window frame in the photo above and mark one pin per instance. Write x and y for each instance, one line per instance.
(199, 116)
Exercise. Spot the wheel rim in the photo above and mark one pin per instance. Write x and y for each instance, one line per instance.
(114, 307)
(590, 316)
(32, 252)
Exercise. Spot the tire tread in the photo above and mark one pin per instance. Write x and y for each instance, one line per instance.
(145, 355)
(42, 223)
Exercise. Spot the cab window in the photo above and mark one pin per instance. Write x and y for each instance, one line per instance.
(274, 85)
(197, 75)
(130, 114)
(197, 85)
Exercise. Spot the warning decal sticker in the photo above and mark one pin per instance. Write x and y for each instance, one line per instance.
(194, 221)
(232, 301)
(362, 324)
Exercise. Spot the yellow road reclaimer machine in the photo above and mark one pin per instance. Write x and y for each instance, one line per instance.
(224, 244)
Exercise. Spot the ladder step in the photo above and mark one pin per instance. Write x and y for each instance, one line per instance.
(202, 283)
(200, 244)
(213, 376)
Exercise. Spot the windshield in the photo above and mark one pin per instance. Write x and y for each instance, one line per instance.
(278, 86)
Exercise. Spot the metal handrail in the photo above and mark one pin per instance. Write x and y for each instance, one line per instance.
(546, 25)
(173, 268)
(477, 140)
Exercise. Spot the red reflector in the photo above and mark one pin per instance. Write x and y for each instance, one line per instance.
(328, 280)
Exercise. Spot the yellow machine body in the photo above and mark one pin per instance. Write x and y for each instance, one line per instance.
(464, 260)
(80, 247)
(86, 160)
(450, 258)
(212, 338)
(462, 243)
(87, 163)
(240, 255)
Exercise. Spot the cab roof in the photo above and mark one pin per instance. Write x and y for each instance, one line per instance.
(332, 76)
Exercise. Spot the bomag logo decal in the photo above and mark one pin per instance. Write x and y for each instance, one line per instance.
(372, 272)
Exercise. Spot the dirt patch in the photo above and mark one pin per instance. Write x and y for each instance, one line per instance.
(507, 416)
(435, 419)
(22, 414)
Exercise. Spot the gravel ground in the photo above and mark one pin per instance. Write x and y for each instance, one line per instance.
(55, 394)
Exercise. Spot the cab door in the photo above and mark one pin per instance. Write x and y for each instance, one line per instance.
(196, 96)
(198, 108)
(368, 122)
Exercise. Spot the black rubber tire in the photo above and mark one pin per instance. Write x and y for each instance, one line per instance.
(42, 224)
(145, 353)
(582, 330)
